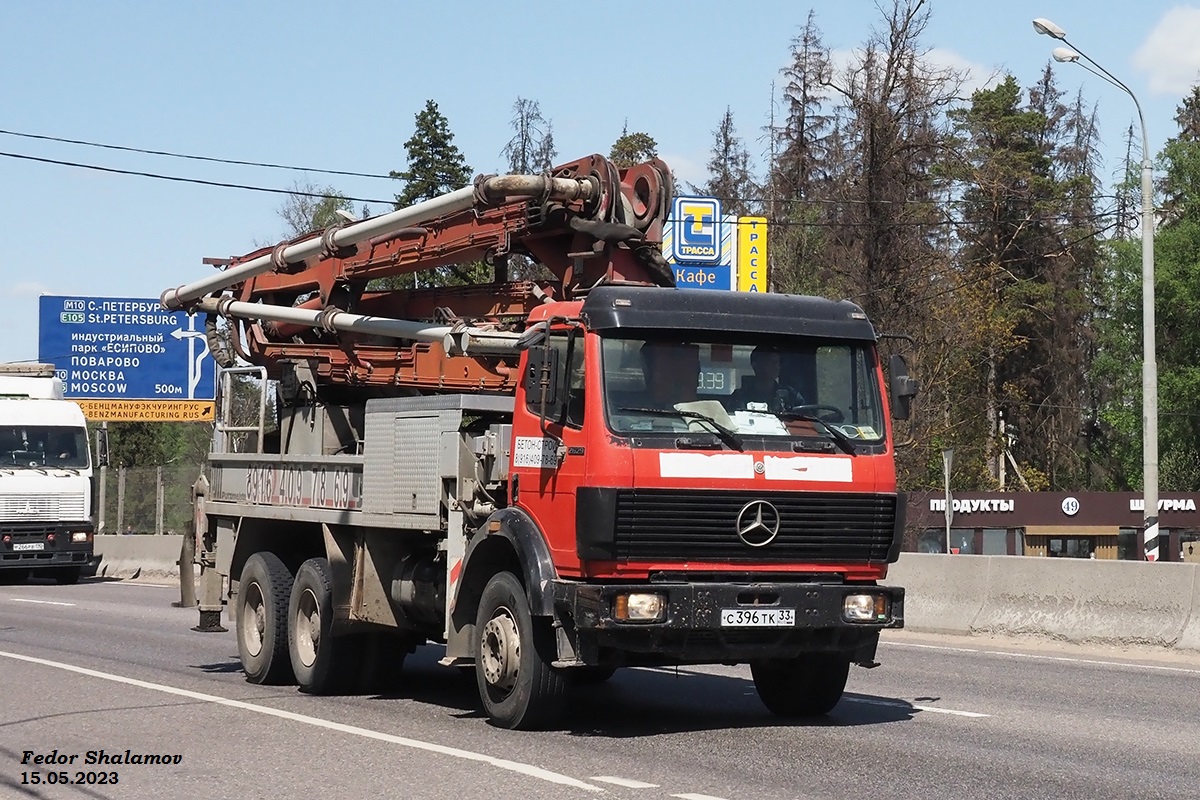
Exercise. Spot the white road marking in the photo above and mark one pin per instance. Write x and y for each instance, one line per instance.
(899, 704)
(697, 797)
(39, 602)
(454, 752)
(1039, 657)
(626, 782)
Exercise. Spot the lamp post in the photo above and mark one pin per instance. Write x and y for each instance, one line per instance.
(1149, 365)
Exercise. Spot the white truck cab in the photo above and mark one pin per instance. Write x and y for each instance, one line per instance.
(46, 478)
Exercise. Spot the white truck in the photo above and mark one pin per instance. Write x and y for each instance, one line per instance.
(46, 485)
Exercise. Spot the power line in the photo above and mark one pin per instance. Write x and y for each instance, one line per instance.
(211, 159)
(179, 179)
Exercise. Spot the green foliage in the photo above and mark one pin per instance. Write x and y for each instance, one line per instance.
(303, 212)
(435, 167)
(144, 444)
(729, 174)
(632, 148)
(435, 164)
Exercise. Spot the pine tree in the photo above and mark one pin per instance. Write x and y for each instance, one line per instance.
(632, 148)
(729, 176)
(435, 164)
(435, 167)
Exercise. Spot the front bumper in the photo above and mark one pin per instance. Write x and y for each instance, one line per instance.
(57, 552)
(692, 632)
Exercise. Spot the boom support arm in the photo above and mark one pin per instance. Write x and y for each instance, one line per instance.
(587, 222)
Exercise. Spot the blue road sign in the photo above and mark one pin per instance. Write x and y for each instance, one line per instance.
(123, 348)
(700, 276)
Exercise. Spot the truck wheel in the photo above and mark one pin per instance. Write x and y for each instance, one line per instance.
(10, 576)
(519, 688)
(801, 687)
(66, 575)
(322, 663)
(261, 614)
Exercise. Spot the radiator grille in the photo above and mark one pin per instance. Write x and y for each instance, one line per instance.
(702, 526)
(49, 507)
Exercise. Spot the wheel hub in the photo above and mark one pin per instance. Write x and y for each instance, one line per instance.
(500, 650)
(308, 628)
(254, 621)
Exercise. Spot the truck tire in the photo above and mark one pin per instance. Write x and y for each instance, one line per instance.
(807, 686)
(519, 688)
(65, 575)
(261, 614)
(322, 663)
(8, 577)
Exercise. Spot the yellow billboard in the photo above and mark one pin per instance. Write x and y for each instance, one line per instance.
(752, 254)
(148, 410)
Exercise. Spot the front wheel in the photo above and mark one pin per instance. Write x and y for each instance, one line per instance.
(807, 686)
(66, 576)
(519, 688)
(9, 577)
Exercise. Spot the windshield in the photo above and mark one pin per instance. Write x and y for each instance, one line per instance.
(43, 446)
(751, 388)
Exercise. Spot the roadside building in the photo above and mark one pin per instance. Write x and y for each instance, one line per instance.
(1104, 525)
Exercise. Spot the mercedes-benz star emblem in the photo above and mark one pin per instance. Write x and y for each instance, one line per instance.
(758, 523)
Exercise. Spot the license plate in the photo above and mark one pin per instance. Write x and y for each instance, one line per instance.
(758, 617)
(19, 546)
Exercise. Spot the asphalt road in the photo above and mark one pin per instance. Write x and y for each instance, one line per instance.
(112, 666)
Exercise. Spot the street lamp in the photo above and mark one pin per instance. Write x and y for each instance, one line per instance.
(1149, 365)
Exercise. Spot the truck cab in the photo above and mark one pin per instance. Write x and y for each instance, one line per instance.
(45, 478)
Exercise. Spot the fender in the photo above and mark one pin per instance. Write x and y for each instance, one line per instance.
(535, 567)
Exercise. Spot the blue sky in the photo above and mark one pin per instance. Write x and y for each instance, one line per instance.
(337, 85)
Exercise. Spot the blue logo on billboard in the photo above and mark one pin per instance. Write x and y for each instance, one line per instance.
(697, 230)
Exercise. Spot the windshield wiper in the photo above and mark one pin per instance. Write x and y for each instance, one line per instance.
(727, 435)
(843, 441)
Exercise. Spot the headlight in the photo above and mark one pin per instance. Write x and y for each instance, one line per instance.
(79, 536)
(866, 608)
(639, 607)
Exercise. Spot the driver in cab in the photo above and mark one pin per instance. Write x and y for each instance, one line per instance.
(671, 371)
(764, 385)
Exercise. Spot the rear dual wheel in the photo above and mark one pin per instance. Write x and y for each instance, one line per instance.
(322, 663)
(261, 614)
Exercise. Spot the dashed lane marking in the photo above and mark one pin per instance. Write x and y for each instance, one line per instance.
(528, 770)
(697, 797)
(628, 783)
(898, 704)
(39, 602)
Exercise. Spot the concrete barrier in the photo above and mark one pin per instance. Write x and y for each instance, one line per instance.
(942, 594)
(1109, 602)
(1190, 638)
(1115, 602)
(138, 556)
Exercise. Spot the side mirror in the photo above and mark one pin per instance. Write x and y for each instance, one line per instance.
(541, 377)
(903, 387)
(101, 447)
